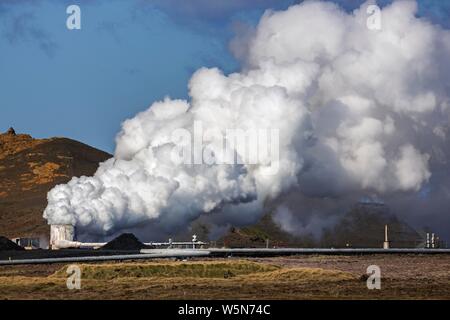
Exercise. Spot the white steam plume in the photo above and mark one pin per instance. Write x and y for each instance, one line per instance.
(357, 110)
(312, 225)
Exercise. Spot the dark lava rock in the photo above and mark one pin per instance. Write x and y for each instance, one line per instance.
(11, 131)
(8, 245)
(126, 241)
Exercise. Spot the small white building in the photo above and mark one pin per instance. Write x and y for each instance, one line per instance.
(28, 243)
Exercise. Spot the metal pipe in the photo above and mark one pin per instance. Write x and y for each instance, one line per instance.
(173, 243)
(293, 251)
(186, 254)
(214, 252)
(66, 244)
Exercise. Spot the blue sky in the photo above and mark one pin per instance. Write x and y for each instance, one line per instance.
(83, 83)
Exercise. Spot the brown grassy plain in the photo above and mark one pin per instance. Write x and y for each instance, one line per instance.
(296, 277)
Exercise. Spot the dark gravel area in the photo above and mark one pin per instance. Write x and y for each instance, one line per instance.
(6, 244)
(126, 241)
(42, 254)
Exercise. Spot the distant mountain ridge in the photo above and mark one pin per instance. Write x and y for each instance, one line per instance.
(363, 227)
(29, 168)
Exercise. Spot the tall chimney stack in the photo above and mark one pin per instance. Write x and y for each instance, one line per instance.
(386, 239)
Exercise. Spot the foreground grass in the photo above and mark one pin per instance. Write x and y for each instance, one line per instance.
(196, 280)
(208, 269)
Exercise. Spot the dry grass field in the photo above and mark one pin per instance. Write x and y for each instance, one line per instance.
(297, 277)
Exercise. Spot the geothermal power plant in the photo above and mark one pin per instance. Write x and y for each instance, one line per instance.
(63, 239)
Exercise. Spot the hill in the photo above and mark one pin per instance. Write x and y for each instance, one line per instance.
(362, 226)
(29, 168)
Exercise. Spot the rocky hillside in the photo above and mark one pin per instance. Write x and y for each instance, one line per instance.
(29, 168)
(361, 227)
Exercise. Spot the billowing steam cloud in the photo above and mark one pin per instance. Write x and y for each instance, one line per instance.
(358, 111)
